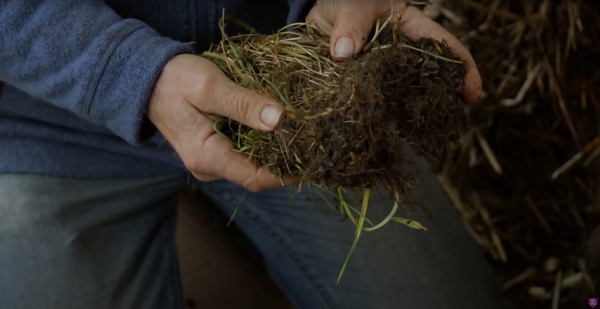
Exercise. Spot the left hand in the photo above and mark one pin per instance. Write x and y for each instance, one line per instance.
(349, 23)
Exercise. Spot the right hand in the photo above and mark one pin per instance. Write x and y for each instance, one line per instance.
(349, 22)
(190, 88)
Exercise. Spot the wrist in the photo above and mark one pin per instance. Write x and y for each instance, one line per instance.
(160, 89)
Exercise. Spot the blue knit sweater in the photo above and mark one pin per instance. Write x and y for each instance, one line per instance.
(76, 76)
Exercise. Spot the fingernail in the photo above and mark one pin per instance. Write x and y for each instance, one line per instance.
(344, 47)
(270, 115)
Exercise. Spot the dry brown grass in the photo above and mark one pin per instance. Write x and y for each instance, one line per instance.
(527, 178)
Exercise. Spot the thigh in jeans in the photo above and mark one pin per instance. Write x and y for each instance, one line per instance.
(304, 246)
(88, 244)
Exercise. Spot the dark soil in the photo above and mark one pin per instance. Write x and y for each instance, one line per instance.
(390, 97)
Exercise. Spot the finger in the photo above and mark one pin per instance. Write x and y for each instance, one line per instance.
(205, 177)
(351, 30)
(224, 162)
(243, 105)
(314, 17)
(416, 25)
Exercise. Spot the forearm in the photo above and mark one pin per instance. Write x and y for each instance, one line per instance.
(83, 57)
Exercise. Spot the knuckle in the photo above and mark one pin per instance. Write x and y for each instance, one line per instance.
(195, 165)
(242, 105)
(253, 186)
(205, 177)
(191, 166)
(207, 85)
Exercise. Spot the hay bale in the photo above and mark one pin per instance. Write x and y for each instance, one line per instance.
(527, 177)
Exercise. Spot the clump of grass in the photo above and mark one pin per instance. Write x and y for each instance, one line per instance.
(348, 124)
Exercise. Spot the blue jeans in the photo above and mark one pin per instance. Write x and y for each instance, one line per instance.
(110, 244)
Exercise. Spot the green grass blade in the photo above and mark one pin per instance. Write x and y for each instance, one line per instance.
(410, 223)
(237, 208)
(361, 222)
(385, 221)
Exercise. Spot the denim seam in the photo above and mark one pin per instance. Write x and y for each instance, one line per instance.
(287, 249)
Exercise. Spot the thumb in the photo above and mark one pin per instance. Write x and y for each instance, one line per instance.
(351, 31)
(245, 106)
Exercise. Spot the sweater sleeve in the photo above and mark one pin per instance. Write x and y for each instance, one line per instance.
(81, 56)
(298, 10)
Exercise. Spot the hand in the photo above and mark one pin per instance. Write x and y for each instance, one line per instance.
(349, 23)
(191, 88)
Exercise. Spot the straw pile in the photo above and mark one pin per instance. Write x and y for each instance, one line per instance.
(527, 177)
